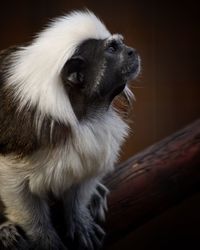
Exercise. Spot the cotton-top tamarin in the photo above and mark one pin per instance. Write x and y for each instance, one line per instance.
(59, 131)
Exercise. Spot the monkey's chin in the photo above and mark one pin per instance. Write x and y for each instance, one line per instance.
(133, 74)
(117, 91)
(130, 73)
(132, 77)
(132, 70)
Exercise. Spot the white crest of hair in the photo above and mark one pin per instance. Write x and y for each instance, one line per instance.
(35, 70)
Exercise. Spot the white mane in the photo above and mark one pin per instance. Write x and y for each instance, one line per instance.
(35, 70)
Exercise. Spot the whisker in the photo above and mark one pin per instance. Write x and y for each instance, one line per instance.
(137, 87)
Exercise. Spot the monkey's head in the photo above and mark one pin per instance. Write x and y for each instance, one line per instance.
(73, 67)
(98, 71)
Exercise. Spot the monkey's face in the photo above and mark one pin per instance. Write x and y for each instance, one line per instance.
(98, 71)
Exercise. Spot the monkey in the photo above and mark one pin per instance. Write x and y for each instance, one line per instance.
(59, 130)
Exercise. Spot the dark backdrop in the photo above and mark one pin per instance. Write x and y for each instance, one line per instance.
(167, 36)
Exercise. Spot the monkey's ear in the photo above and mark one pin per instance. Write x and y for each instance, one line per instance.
(73, 71)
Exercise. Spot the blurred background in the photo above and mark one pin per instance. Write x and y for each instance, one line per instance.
(167, 36)
(165, 33)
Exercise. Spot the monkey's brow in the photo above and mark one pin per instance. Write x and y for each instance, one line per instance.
(118, 38)
(114, 41)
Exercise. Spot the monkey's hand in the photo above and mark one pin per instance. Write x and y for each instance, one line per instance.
(83, 229)
(11, 237)
(98, 203)
(47, 240)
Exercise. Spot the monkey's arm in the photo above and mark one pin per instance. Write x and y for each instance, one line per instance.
(81, 225)
(28, 211)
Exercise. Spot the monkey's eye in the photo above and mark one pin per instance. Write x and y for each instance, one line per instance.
(112, 47)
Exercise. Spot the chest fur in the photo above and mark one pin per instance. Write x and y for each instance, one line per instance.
(91, 152)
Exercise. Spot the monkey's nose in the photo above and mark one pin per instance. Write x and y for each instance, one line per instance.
(131, 52)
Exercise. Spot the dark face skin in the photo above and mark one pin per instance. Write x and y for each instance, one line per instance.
(98, 71)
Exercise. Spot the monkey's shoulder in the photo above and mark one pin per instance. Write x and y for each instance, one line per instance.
(5, 56)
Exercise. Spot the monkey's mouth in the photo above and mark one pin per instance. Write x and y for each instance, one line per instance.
(128, 73)
(132, 70)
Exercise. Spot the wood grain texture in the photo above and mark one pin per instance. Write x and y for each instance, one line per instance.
(152, 181)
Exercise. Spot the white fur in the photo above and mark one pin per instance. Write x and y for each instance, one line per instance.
(93, 146)
(129, 94)
(115, 37)
(35, 71)
(91, 152)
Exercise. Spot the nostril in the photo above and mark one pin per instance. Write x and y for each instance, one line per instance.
(130, 52)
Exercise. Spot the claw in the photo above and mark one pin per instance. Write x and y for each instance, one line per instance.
(96, 241)
(90, 244)
(103, 190)
(98, 205)
(83, 241)
(88, 241)
(99, 229)
(11, 237)
(98, 237)
(87, 233)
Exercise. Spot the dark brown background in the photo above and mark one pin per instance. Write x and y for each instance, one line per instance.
(167, 36)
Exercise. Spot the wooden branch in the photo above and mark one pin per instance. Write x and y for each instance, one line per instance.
(152, 181)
